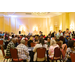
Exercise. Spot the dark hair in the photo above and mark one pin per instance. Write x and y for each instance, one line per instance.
(41, 41)
(67, 29)
(12, 36)
(59, 30)
(70, 43)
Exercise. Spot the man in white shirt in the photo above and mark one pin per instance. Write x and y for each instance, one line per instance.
(59, 34)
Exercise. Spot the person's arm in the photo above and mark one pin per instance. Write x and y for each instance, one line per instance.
(26, 51)
(34, 50)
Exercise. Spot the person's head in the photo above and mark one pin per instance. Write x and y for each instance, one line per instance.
(52, 42)
(48, 39)
(23, 42)
(14, 40)
(59, 31)
(41, 41)
(73, 36)
(39, 32)
(67, 30)
(36, 37)
(12, 36)
(31, 38)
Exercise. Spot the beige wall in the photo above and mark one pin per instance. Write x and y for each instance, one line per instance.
(13, 24)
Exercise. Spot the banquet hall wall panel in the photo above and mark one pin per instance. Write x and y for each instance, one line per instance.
(14, 24)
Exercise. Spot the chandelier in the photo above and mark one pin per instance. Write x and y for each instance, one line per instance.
(40, 13)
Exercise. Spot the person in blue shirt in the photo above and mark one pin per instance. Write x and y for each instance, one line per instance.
(66, 39)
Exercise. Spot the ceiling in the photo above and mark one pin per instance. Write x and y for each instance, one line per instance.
(30, 14)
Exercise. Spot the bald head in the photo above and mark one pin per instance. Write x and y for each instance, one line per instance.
(23, 41)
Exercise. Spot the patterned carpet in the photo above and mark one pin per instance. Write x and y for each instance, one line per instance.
(1, 56)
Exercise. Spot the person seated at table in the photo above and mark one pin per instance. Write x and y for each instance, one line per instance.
(16, 37)
(16, 42)
(40, 44)
(59, 34)
(30, 41)
(71, 48)
(11, 44)
(36, 39)
(6, 36)
(66, 39)
(23, 51)
(53, 45)
(48, 42)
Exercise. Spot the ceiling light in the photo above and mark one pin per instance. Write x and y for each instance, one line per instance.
(40, 13)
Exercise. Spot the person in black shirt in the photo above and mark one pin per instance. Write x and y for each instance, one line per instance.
(30, 41)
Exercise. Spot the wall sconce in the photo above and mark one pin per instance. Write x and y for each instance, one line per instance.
(60, 27)
(35, 28)
(51, 28)
(72, 26)
(22, 29)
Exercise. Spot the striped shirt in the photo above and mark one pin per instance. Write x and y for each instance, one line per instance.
(10, 45)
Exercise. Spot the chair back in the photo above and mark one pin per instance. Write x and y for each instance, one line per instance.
(14, 53)
(72, 57)
(1, 42)
(57, 52)
(41, 52)
(2, 51)
(32, 44)
(59, 43)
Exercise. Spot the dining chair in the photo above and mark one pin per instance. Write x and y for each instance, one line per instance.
(57, 54)
(72, 57)
(41, 53)
(1, 42)
(14, 55)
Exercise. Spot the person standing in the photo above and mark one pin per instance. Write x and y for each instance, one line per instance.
(59, 34)
(68, 33)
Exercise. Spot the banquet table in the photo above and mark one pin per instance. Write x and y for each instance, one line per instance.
(31, 53)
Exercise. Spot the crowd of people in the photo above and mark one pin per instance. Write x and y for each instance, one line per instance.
(50, 42)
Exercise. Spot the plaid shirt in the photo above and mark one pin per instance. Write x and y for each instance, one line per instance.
(10, 45)
(67, 55)
(22, 51)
